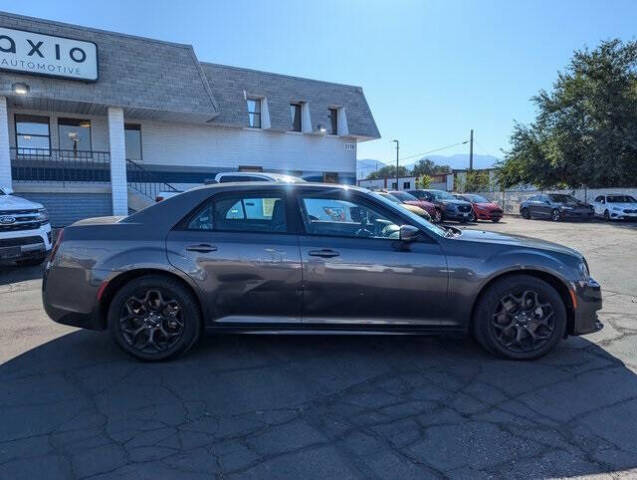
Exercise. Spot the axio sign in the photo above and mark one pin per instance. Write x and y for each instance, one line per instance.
(28, 52)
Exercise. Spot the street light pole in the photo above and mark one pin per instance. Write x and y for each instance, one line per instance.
(397, 149)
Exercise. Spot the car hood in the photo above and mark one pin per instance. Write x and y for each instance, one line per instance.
(453, 202)
(622, 205)
(489, 205)
(515, 240)
(11, 202)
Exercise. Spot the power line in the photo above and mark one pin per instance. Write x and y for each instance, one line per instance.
(435, 150)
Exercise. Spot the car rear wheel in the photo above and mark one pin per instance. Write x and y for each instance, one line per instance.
(495, 219)
(525, 213)
(154, 318)
(474, 217)
(555, 215)
(606, 215)
(520, 317)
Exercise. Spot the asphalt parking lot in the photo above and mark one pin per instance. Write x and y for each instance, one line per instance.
(302, 407)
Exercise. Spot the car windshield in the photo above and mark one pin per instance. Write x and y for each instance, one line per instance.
(562, 198)
(620, 199)
(416, 219)
(404, 196)
(440, 195)
(476, 198)
(389, 197)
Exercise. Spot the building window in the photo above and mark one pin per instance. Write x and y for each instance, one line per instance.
(333, 121)
(254, 112)
(295, 112)
(330, 177)
(406, 185)
(74, 134)
(133, 134)
(250, 168)
(32, 135)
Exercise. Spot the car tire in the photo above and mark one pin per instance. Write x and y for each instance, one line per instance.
(519, 317)
(495, 220)
(555, 215)
(31, 262)
(525, 213)
(607, 215)
(154, 318)
(474, 217)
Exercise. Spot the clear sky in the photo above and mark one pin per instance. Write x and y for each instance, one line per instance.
(431, 70)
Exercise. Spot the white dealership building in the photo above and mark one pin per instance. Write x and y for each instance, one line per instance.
(95, 122)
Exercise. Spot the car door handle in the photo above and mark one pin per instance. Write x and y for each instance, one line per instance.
(324, 252)
(201, 248)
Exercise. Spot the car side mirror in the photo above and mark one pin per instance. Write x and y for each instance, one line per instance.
(409, 233)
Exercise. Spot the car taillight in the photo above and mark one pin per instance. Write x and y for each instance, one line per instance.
(56, 247)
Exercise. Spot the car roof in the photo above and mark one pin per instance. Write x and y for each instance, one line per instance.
(265, 185)
(275, 176)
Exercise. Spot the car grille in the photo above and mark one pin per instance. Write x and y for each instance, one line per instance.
(16, 227)
(464, 208)
(18, 212)
(14, 242)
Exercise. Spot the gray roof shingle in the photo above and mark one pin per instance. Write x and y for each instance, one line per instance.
(153, 79)
(148, 78)
(229, 84)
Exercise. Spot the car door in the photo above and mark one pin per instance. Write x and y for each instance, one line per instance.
(239, 249)
(542, 207)
(357, 271)
(599, 204)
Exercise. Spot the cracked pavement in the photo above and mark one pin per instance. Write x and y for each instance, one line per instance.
(72, 406)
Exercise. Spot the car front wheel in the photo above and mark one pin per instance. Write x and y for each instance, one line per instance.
(555, 215)
(519, 317)
(154, 318)
(606, 216)
(525, 213)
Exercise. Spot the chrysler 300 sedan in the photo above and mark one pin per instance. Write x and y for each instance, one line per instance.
(292, 258)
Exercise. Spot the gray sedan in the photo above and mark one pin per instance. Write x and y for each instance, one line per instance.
(298, 258)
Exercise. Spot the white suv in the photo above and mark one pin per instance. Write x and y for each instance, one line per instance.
(25, 231)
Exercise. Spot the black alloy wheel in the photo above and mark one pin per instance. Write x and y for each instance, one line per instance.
(520, 317)
(606, 215)
(154, 318)
(474, 217)
(525, 213)
(555, 215)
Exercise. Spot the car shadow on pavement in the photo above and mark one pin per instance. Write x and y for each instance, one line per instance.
(12, 273)
(315, 407)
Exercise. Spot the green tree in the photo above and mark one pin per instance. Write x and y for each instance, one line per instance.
(476, 181)
(388, 171)
(585, 132)
(424, 181)
(425, 166)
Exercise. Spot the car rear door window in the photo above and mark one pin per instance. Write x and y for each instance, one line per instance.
(237, 213)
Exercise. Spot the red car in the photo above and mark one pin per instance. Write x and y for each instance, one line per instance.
(483, 209)
(409, 199)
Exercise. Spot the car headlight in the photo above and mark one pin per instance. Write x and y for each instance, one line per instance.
(583, 270)
(43, 215)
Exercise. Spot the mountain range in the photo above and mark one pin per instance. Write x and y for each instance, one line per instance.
(365, 166)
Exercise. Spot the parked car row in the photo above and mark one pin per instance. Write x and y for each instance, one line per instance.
(559, 206)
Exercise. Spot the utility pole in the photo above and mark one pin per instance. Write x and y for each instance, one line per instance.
(397, 149)
(471, 151)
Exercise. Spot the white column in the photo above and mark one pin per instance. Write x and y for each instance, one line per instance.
(117, 142)
(306, 118)
(5, 157)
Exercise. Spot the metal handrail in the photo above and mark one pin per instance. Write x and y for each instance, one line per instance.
(144, 181)
(59, 165)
